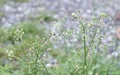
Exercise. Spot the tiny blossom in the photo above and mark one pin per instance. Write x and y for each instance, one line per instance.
(115, 54)
(74, 15)
(60, 38)
(10, 53)
(74, 40)
(69, 44)
(103, 15)
(76, 68)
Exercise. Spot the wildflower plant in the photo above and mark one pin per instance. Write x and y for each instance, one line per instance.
(24, 50)
(33, 58)
(85, 44)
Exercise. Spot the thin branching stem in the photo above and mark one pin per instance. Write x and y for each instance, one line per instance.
(85, 50)
(45, 68)
(92, 40)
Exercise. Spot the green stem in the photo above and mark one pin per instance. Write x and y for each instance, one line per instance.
(85, 50)
(92, 40)
(45, 68)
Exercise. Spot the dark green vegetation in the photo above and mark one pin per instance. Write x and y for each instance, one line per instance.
(42, 17)
(20, 1)
(2, 2)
